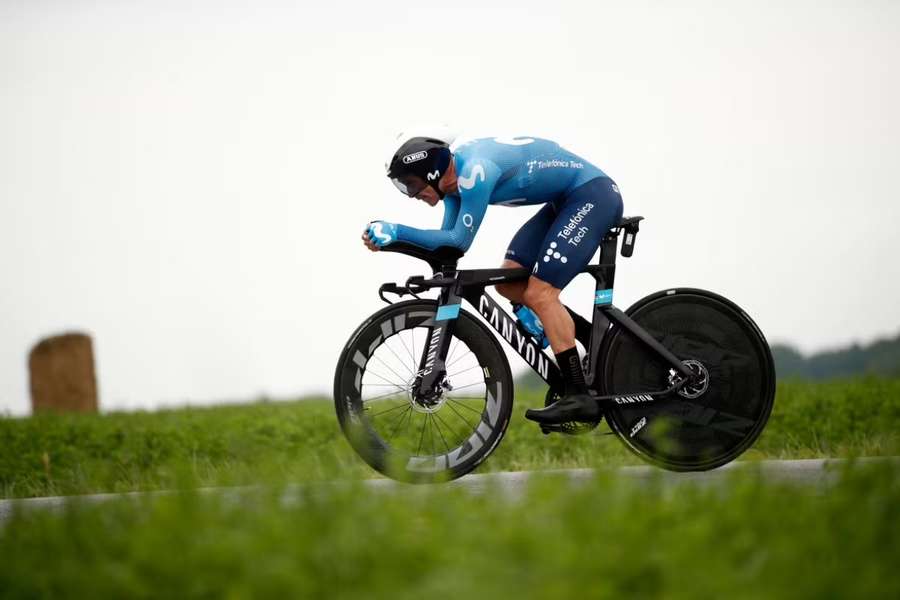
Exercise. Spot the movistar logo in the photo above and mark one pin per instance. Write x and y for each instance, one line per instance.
(379, 233)
(415, 157)
(477, 173)
(434, 175)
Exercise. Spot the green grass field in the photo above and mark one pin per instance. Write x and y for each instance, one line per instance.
(301, 441)
(607, 538)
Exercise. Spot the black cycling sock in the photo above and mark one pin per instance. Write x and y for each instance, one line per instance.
(572, 375)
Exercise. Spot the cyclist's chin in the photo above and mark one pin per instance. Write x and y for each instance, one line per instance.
(431, 199)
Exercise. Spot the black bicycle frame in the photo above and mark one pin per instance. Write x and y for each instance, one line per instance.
(471, 285)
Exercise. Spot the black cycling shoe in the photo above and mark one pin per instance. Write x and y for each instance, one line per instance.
(575, 407)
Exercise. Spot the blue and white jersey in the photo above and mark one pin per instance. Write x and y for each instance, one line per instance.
(506, 171)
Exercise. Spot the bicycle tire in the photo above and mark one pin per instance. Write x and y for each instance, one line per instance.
(366, 433)
(709, 430)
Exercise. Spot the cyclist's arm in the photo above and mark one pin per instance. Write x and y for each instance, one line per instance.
(460, 223)
(451, 211)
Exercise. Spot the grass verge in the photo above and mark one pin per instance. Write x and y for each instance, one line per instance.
(301, 441)
(610, 537)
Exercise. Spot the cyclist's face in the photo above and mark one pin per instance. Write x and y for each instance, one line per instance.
(415, 187)
(428, 196)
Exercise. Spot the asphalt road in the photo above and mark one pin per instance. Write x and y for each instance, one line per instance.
(819, 473)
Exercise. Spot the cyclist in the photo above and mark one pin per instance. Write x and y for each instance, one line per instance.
(580, 204)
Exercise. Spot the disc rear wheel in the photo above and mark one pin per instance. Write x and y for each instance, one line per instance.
(721, 411)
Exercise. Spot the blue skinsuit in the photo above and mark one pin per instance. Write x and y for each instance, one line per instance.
(581, 204)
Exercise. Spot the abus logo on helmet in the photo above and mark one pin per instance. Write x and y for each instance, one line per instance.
(414, 157)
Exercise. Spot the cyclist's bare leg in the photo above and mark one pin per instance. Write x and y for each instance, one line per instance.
(515, 290)
(576, 404)
(543, 299)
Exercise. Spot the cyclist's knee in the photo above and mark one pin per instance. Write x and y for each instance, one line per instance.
(539, 294)
(511, 291)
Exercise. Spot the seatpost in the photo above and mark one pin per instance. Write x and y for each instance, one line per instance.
(607, 260)
(605, 277)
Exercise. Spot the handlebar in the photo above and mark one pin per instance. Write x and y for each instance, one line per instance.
(414, 286)
(438, 259)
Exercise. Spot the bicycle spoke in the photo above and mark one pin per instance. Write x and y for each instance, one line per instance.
(469, 385)
(382, 385)
(438, 418)
(464, 370)
(454, 346)
(399, 422)
(400, 360)
(466, 405)
(388, 367)
(385, 379)
(465, 420)
(393, 385)
(411, 358)
(389, 394)
(459, 359)
(431, 415)
(372, 416)
(422, 437)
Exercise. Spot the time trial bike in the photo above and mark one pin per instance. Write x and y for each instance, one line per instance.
(423, 390)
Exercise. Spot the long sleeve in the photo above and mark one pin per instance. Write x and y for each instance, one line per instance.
(463, 216)
(451, 211)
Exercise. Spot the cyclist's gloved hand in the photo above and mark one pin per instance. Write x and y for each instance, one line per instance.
(382, 233)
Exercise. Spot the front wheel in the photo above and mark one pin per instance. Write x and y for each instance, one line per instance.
(395, 433)
(721, 412)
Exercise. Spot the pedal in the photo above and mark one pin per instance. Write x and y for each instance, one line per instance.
(548, 429)
(571, 428)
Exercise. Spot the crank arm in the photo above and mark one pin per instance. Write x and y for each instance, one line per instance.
(613, 400)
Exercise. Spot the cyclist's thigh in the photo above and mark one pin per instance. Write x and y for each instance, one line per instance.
(586, 214)
(524, 246)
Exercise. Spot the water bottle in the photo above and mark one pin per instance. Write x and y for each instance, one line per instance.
(531, 323)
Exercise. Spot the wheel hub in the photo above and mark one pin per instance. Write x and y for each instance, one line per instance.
(697, 385)
(430, 402)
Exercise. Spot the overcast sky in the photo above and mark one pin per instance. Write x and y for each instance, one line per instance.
(187, 181)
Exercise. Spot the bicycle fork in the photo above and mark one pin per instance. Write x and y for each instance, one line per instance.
(432, 365)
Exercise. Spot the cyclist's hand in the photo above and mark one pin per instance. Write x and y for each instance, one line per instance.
(379, 234)
(367, 242)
